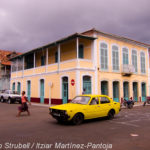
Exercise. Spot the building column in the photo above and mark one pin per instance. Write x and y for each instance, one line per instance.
(139, 92)
(121, 90)
(34, 61)
(77, 51)
(77, 83)
(130, 89)
(110, 89)
(17, 66)
(46, 60)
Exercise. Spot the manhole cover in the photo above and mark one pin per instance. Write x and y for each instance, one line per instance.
(134, 134)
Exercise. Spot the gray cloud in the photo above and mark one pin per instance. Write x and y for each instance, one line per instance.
(27, 24)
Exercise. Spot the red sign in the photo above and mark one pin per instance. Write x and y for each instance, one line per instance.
(72, 82)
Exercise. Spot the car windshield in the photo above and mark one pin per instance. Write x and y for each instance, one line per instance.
(14, 92)
(81, 100)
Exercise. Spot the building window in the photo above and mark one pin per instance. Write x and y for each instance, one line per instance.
(56, 57)
(115, 58)
(142, 55)
(81, 51)
(134, 59)
(42, 90)
(104, 56)
(125, 56)
(43, 60)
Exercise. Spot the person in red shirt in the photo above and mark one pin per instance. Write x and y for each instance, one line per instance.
(24, 106)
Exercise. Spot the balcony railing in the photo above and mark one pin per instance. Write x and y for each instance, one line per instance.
(4, 73)
(127, 70)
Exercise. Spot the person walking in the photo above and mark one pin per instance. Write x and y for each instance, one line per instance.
(24, 106)
(84, 90)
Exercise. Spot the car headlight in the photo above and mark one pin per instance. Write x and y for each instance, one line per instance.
(65, 112)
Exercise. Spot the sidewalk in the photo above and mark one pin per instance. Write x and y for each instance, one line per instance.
(136, 104)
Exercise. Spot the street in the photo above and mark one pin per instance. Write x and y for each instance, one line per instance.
(129, 130)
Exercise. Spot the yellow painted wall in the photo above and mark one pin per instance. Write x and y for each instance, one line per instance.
(110, 76)
(85, 64)
(51, 54)
(87, 47)
(68, 50)
(55, 89)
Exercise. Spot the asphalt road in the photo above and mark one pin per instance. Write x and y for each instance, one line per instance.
(129, 130)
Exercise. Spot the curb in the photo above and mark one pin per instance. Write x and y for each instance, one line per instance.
(47, 105)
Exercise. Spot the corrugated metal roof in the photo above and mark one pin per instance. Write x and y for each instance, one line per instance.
(56, 43)
(121, 38)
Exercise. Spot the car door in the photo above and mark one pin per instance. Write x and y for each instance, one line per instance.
(105, 105)
(92, 109)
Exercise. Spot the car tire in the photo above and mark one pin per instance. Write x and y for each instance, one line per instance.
(78, 119)
(60, 121)
(2, 99)
(111, 114)
(9, 101)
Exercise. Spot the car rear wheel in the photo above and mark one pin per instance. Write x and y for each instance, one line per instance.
(78, 119)
(111, 114)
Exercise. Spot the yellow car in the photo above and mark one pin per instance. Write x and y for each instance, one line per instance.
(85, 107)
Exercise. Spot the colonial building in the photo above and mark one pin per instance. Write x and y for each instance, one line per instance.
(98, 62)
(5, 70)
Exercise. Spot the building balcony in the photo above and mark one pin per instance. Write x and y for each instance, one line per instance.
(56, 67)
(127, 70)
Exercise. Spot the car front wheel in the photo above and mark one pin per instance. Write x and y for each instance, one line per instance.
(78, 119)
(2, 99)
(9, 101)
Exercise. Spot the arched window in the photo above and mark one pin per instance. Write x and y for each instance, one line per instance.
(142, 56)
(29, 90)
(103, 56)
(134, 59)
(13, 86)
(126, 90)
(115, 58)
(125, 56)
(143, 88)
(116, 91)
(19, 88)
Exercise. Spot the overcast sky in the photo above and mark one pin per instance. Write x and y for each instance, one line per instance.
(28, 24)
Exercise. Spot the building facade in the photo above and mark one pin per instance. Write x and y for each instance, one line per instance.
(94, 61)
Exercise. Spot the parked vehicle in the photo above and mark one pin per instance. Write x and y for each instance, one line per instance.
(128, 103)
(85, 107)
(147, 101)
(10, 97)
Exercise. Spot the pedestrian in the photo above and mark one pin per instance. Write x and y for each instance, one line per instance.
(83, 91)
(24, 106)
